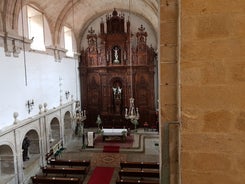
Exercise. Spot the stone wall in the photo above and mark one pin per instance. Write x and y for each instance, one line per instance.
(204, 83)
(169, 89)
(212, 91)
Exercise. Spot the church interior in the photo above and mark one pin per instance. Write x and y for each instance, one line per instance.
(122, 91)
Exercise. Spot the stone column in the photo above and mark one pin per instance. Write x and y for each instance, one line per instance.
(169, 104)
(19, 156)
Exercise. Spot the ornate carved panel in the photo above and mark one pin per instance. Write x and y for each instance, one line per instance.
(110, 78)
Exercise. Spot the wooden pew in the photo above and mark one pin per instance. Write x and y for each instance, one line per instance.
(65, 170)
(141, 165)
(138, 173)
(134, 181)
(55, 180)
(49, 154)
(70, 163)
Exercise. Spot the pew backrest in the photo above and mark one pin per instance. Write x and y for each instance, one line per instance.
(142, 165)
(55, 180)
(138, 173)
(134, 181)
(70, 163)
(65, 170)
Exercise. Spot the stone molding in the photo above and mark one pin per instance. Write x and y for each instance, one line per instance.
(13, 44)
(57, 52)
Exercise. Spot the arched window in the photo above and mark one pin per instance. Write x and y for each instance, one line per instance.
(35, 28)
(68, 41)
(33, 25)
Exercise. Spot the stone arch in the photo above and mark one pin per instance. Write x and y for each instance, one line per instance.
(54, 134)
(34, 141)
(9, 8)
(32, 154)
(68, 127)
(59, 24)
(46, 23)
(7, 166)
(1, 15)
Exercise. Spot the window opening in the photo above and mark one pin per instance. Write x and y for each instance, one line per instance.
(68, 41)
(35, 28)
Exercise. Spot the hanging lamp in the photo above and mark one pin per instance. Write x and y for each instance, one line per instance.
(132, 113)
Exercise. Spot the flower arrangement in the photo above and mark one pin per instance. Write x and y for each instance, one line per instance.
(135, 122)
(98, 122)
(124, 133)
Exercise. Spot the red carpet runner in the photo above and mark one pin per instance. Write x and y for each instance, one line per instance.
(101, 175)
(111, 149)
(128, 143)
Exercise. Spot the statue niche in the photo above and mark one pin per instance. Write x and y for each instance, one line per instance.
(117, 97)
(117, 54)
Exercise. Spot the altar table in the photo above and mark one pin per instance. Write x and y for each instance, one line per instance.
(114, 132)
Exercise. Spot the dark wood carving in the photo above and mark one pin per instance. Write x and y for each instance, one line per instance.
(108, 76)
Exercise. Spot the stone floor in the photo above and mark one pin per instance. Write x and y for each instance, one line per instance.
(145, 148)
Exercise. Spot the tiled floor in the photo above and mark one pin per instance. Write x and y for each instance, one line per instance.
(145, 148)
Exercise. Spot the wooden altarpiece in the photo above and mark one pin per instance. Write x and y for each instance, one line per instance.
(109, 78)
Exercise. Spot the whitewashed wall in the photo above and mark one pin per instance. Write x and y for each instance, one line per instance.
(42, 81)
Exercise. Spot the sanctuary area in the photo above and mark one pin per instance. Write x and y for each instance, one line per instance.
(122, 91)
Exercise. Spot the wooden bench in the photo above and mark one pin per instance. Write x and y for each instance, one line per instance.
(142, 165)
(133, 181)
(55, 180)
(138, 173)
(65, 170)
(70, 163)
(49, 154)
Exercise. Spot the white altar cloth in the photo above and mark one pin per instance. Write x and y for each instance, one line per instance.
(114, 131)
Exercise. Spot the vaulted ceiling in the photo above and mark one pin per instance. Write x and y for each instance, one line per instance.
(84, 11)
(77, 14)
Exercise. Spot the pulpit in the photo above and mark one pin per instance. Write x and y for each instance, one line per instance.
(90, 140)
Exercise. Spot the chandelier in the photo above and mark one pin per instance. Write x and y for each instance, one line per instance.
(132, 113)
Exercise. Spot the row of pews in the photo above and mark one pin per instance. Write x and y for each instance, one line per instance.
(138, 172)
(61, 171)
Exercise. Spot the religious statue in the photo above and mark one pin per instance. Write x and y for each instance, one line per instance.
(79, 126)
(116, 50)
(117, 98)
(25, 145)
(117, 91)
(98, 122)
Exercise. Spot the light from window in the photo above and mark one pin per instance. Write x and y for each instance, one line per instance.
(68, 41)
(35, 28)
